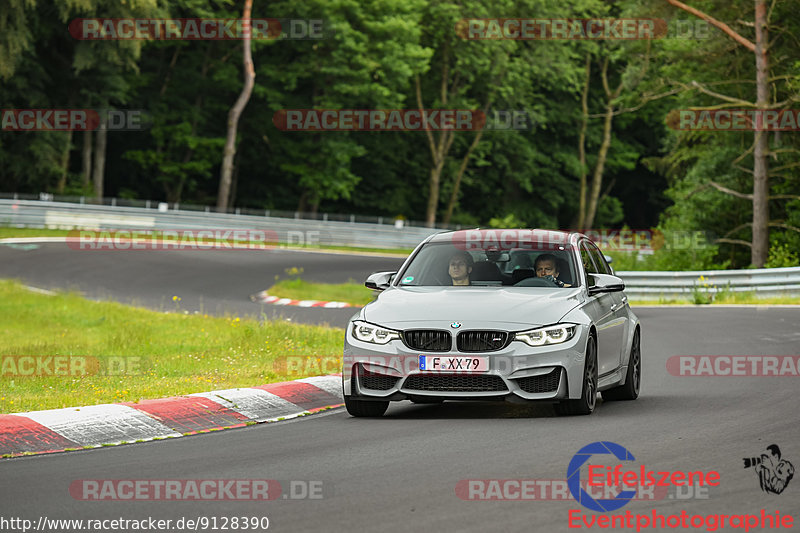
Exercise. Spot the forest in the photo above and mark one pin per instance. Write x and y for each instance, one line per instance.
(641, 114)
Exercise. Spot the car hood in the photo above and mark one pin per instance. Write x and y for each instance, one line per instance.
(473, 307)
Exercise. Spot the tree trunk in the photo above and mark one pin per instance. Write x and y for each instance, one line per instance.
(439, 149)
(602, 153)
(459, 176)
(464, 162)
(86, 158)
(760, 244)
(314, 208)
(62, 180)
(234, 182)
(302, 203)
(433, 191)
(597, 177)
(582, 144)
(100, 159)
(236, 111)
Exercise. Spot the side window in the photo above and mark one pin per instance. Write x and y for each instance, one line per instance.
(599, 260)
(588, 264)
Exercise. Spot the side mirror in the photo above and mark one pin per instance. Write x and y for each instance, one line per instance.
(600, 283)
(610, 260)
(379, 280)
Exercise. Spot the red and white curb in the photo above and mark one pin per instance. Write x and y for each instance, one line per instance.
(263, 297)
(74, 428)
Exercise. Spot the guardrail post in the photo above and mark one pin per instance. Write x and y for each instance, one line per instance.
(324, 217)
(238, 211)
(113, 202)
(352, 219)
(266, 212)
(83, 200)
(147, 204)
(208, 209)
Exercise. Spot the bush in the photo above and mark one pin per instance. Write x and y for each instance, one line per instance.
(508, 222)
(782, 256)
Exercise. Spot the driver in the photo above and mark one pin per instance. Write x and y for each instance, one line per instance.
(460, 267)
(546, 266)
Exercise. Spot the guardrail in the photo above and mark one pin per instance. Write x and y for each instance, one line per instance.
(649, 285)
(764, 282)
(33, 213)
(176, 207)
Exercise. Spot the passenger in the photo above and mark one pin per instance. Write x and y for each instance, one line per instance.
(460, 267)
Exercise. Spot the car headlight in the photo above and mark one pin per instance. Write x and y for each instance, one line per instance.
(372, 333)
(548, 335)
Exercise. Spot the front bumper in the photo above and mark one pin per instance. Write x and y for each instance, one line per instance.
(518, 372)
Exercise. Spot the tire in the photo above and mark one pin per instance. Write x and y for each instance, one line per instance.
(364, 408)
(588, 400)
(633, 378)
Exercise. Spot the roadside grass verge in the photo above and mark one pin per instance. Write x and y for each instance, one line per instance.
(351, 292)
(727, 298)
(356, 294)
(730, 297)
(8, 233)
(165, 354)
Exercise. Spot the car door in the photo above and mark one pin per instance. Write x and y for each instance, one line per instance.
(620, 306)
(610, 328)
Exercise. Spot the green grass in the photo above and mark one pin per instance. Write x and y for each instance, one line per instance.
(176, 353)
(7, 232)
(726, 298)
(297, 289)
(357, 294)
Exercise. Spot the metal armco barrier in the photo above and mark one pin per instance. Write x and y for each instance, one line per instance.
(638, 285)
(764, 282)
(32, 213)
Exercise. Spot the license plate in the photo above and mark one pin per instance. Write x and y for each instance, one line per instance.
(453, 364)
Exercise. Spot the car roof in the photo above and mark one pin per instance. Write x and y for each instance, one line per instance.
(478, 235)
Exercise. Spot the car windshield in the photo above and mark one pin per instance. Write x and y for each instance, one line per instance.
(456, 264)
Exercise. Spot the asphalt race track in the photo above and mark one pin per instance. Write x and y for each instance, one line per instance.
(400, 472)
(211, 281)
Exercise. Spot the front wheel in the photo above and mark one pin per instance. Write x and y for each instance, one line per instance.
(586, 404)
(633, 378)
(364, 408)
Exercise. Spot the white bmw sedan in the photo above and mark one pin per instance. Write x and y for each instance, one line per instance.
(515, 315)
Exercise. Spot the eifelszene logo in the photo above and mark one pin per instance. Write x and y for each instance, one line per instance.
(774, 473)
(618, 477)
(574, 476)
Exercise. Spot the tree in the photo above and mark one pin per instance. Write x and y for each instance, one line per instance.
(46, 67)
(236, 111)
(486, 74)
(367, 60)
(707, 170)
(458, 71)
(759, 244)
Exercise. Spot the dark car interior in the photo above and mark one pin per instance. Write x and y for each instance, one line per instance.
(493, 268)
